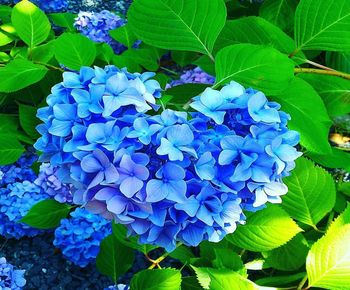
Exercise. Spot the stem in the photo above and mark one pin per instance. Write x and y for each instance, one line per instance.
(294, 53)
(318, 65)
(49, 66)
(169, 70)
(322, 72)
(155, 263)
(211, 57)
(302, 283)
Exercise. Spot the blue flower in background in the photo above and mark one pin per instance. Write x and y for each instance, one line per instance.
(96, 26)
(15, 202)
(118, 287)
(79, 237)
(193, 76)
(172, 176)
(10, 278)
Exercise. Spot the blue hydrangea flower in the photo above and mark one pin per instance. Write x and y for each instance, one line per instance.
(96, 26)
(15, 202)
(79, 237)
(18, 171)
(118, 287)
(193, 76)
(173, 176)
(10, 278)
(51, 184)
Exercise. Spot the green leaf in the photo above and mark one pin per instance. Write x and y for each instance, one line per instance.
(81, 52)
(336, 159)
(183, 254)
(334, 91)
(10, 148)
(65, 20)
(341, 220)
(290, 256)
(312, 122)
(265, 230)
(31, 23)
(279, 12)
(28, 120)
(5, 13)
(311, 193)
(169, 279)
(206, 64)
(260, 32)
(184, 93)
(120, 233)
(191, 25)
(190, 283)
(338, 60)
(46, 214)
(124, 35)
(19, 74)
(263, 68)
(227, 258)
(183, 58)
(280, 280)
(4, 57)
(104, 52)
(5, 38)
(323, 25)
(43, 53)
(114, 258)
(328, 262)
(145, 57)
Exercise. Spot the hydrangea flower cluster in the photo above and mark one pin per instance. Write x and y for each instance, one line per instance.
(193, 76)
(52, 185)
(96, 26)
(167, 177)
(80, 236)
(10, 278)
(15, 202)
(18, 171)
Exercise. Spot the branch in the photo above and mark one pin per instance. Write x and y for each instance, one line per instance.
(322, 72)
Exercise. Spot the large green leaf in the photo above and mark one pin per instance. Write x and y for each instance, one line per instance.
(261, 67)
(338, 60)
(31, 23)
(311, 193)
(124, 35)
(323, 25)
(328, 262)
(265, 230)
(114, 258)
(336, 159)
(311, 121)
(341, 220)
(28, 120)
(334, 91)
(260, 32)
(169, 279)
(290, 256)
(65, 20)
(74, 50)
(10, 148)
(46, 214)
(279, 12)
(19, 74)
(191, 25)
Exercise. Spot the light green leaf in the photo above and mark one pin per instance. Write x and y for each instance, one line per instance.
(312, 122)
(191, 25)
(311, 193)
(169, 279)
(31, 23)
(334, 91)
(114, 258)
(46, 214)
(290, 256)
(5, 38)
(338, 60)
(43, 53)
(263, 68)
(279, 12)
(28, 120)
(19, 74)
(341, 220)
(265, 230)
(227, 258)
(81, 52)
(323, 25)
(260, 32)
(65, 20)
(328, 262)
(10, 149)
